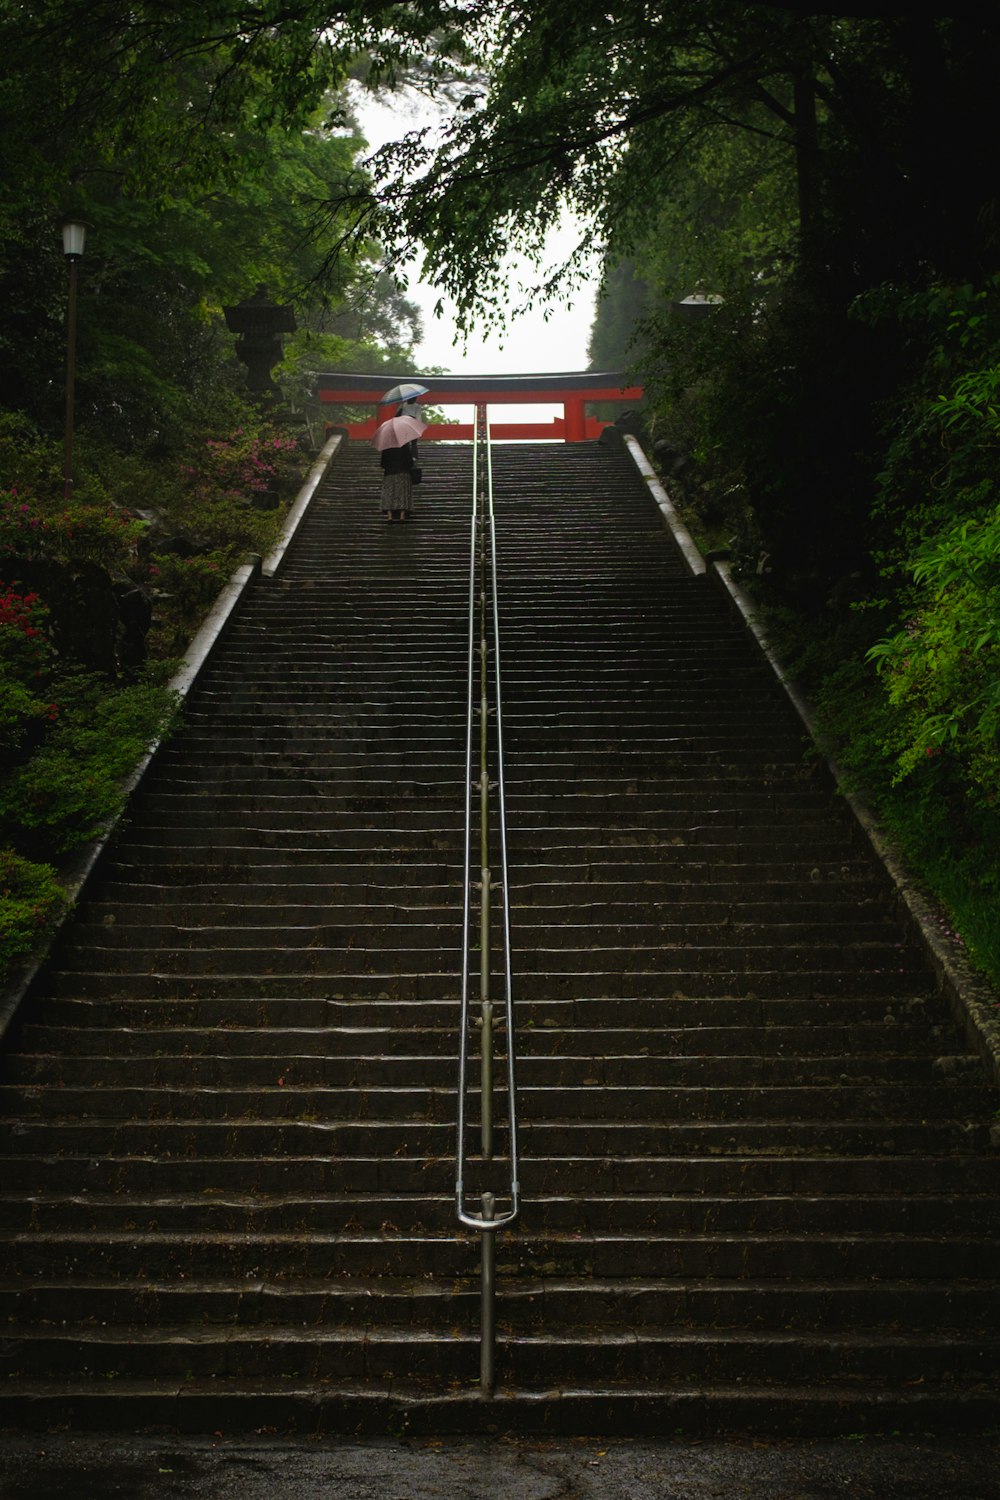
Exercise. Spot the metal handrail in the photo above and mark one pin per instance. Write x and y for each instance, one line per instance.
(483, 590)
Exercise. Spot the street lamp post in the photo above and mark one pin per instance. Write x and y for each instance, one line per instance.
(74, 235)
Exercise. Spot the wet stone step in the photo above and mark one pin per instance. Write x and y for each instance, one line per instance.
(376, 1353)
(151, 1172)
(285, 1097)
(329, 984)
(219, 763)
(336, 1139)
(277, 880)
(735, 1173)
(535, 882)
(59, 1051)
(364, 825)
(180, 908)
(436, 950)
(185, 1352)
(343, 1062)
(224, 1213)
(270, 936)
(246, 1011)
(309, 959)
(356, 1254)
(278, 864)
(766, 1357)
(295, 1254)
(348, 812)
(526, 1305)
(675, 1302)
(175, 908)
(251, 836)
(246, 1301)
(637, 1214)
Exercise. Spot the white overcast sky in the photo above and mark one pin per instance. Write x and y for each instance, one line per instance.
(530, 345)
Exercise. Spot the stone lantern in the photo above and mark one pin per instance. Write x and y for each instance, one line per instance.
(259, 322)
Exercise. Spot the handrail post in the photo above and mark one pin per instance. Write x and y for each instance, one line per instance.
(487, 1330)
(486, 1023)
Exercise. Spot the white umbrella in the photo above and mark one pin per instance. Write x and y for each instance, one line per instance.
(407, 391)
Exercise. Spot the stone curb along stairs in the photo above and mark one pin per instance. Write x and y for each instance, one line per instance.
(760, 1188)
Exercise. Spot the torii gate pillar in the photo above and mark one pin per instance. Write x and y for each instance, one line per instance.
(574, 418)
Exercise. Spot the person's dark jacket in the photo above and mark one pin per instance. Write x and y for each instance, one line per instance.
(399, 460)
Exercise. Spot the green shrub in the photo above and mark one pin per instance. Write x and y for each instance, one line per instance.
(184, 589)
(68, 533)
(26, 661)
(29, 461)
(941, 670)
(61, 796)
(31, 903)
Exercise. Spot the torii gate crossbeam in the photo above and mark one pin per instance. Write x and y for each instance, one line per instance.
(572, 390)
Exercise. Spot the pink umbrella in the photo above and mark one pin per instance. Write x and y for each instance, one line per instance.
(397, 432)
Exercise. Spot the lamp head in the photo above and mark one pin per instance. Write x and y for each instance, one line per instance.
(74, 235)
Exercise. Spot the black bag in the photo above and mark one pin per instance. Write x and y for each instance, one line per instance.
(416, 475)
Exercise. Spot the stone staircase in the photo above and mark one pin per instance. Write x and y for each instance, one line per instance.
(760, 1193)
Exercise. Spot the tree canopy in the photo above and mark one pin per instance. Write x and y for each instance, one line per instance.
(204, 146)
(884, 118)
(884, 115)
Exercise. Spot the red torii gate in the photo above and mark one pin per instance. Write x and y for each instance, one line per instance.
(572, 390)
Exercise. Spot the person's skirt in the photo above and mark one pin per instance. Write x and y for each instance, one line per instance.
(397, 493)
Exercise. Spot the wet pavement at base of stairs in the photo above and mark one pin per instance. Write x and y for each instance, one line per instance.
(62, 1466)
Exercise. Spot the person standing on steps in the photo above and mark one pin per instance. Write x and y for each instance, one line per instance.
(397, 480)
(397, 441)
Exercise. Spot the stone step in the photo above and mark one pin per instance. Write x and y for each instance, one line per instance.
(351, 1065)
(377, 1353)
(246, 1010)
(630, 762)
(408, 1407)
(733, 1173)
(286, 1096)
(365, 984)
(235, 1213)
(430, 952)
(536, 898)
(423, 712)
(203, 1049)
(632, 814)
(287, 780)
(367, 829)
(354, 1253)
(523, 1304)
(348, 1137)
(532, 883)
(180, 908)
